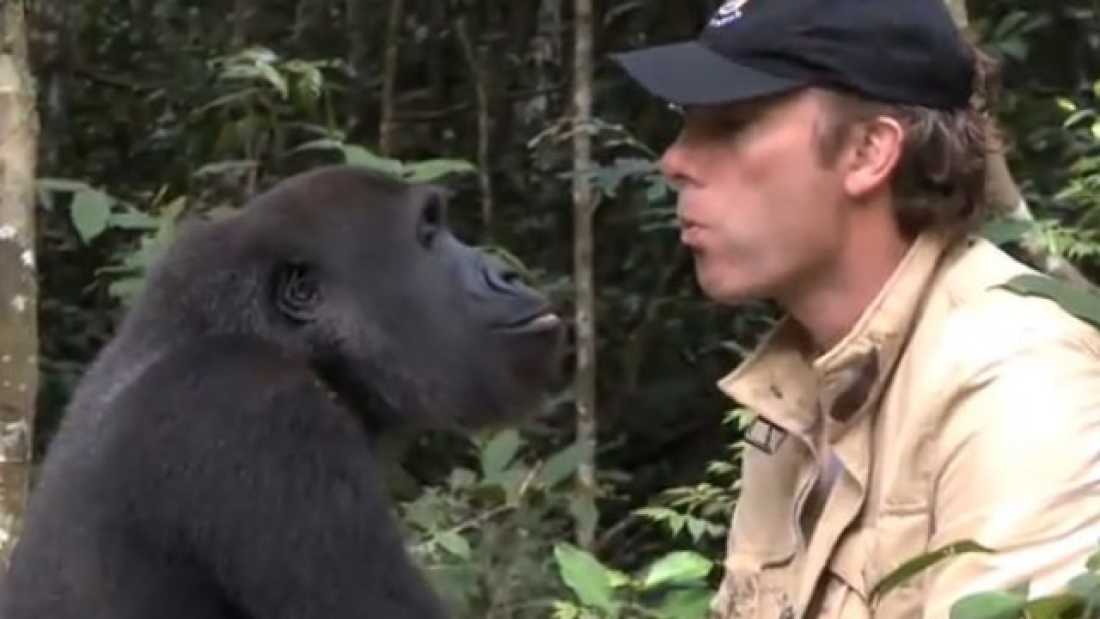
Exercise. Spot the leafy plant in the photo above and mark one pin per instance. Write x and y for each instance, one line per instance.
(486, 535)
(673, 586)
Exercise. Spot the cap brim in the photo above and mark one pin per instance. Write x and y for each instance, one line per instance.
(689, 73)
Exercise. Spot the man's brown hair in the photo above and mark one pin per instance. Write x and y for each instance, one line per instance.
(941, 176)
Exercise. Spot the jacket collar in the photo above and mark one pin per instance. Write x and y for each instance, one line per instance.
(782, 384)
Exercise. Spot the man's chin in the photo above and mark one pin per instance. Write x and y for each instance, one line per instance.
(726, 293)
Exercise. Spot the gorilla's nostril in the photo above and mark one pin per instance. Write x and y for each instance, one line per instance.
(500, 281)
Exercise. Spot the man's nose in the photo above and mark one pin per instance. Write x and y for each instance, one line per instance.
(673, 165)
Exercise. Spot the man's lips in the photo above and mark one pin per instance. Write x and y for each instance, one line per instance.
(691, 233)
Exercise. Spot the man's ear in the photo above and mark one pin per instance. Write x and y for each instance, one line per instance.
(875, 152)
(297, 292)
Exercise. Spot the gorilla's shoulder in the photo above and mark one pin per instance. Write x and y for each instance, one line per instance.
(227, 377)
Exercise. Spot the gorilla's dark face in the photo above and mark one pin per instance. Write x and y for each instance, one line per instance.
(403, 320)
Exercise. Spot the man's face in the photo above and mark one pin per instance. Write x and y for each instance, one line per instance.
(758, 207)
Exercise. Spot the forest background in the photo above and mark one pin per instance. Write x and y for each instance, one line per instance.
(613, 502)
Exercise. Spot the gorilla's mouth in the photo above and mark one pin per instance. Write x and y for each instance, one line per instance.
(540, 322)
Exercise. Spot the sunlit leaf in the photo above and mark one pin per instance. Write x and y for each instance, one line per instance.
(992, 605)
(691, 603)
(677, 568)
(561, 465)
(273, 77)
(499, 452)
(455, 544)
(433, 169)
(90, 212)
(357, 155)
(585, 576)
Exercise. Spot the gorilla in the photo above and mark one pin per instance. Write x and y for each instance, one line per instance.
(216, 460)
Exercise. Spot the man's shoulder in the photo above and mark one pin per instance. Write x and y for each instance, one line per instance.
(972, 300)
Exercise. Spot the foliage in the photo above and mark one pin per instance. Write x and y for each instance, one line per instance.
(485, 533)
(672, 587)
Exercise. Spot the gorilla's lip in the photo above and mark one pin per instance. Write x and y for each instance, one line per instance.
(544, 320)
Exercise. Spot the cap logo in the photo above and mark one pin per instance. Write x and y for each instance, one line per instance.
(728, 12)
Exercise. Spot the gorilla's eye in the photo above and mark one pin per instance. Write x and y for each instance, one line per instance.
(431, 221)
(297, 293)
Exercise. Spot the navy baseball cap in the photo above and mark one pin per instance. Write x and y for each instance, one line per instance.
(898, 51)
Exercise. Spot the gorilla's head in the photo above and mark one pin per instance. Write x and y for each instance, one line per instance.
(361, 276)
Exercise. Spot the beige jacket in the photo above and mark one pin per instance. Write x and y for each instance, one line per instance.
(955, 410)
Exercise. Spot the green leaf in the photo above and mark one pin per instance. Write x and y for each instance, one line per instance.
(126, 289)
(455, 544)
(586, 576)
(462, 478)
(432, 169)
(696, 528)
(1077, 117)
(319, 144)
(1093, 562)
(1006, 230)
(1086, 584)
(686, 604)
(918, 564)
(677, 568)
(1060, 606)
(357, 155)
(63, 185)
(561, 465)
(236, 166)
(90, 212)
(1083, 304)
(1017, 48)
(499, 452)
(992, 605)
(134, 220)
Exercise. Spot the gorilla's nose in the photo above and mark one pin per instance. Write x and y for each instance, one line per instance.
(502, 277)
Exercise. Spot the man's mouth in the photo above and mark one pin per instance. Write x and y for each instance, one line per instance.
(690, 233)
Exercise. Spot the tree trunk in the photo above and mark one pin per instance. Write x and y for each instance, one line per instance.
(245, 13)
(1004, 194)
(309, 21)
(389, 76)
(18, 283)
(52, 44)
(583, 209)
(475, 58)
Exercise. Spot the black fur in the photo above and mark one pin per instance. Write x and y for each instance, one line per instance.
(216, 460)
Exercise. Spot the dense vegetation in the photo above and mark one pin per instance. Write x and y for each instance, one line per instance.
(154, 111)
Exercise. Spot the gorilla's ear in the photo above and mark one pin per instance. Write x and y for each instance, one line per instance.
(297, 292)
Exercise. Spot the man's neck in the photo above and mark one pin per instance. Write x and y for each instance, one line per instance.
(831, 305)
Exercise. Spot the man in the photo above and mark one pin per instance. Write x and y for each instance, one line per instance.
(831, 159)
